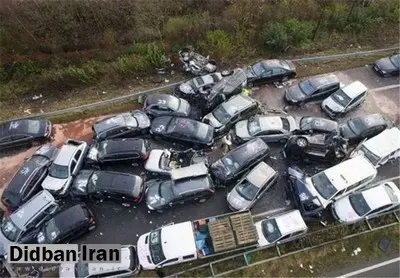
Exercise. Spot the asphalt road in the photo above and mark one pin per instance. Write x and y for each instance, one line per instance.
(387, 267)
(125, 225)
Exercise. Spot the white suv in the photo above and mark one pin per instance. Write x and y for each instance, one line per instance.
(65, 166)
(380, 148)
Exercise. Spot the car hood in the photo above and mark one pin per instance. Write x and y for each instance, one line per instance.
(184, 107)
(241, 130)
(385, 64)
(186, 88)
(212, 121)
(333, 105)
(294, 93)
(346, 132)
(236, 201)
(262, 241)
(249, 73)
(142, 118)
(344, 211)
(53, 184)
(66, 271)
(153, 162)
(144, 252)
(153, 199)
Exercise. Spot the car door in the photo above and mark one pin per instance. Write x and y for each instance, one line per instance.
(277, 74)
(265, 77)
(20, 140)
(355, 102)
(6, 141)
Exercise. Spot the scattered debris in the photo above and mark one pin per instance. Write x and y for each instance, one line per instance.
(148, 211)
(166, 80)
(150, 222)
(291, 270)
(104, 92)
(137, 235)
(301, 265)
(41, 111)
(310, 266)
(101, 233)
(356, 251)
(311, 271)
(343, 249)
(35, 97)
(28, 111)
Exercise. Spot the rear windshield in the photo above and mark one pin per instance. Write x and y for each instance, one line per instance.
(270, 230)
(359, 204)
(33, 127)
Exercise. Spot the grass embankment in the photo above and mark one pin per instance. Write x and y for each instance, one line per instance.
(94, 94)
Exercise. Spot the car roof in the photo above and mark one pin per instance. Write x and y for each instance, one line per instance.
(290, 222)
(249, 148)
(69, 217)
(22, 175)
(118, 182)
(377, 196)
(65, 154)
(115, 121)
(371, 120)
(100, 268)
(194, 184)
(178, 240)
(19, 127)
(237, 103)
(207, 79)
(384, 143)
(28, 210)
(194, 170)
(322, 80)
(275, 63)
(343, 175)
(354, 89)
(318, 123)
(270, 122)
(260, 174)
(121, 145)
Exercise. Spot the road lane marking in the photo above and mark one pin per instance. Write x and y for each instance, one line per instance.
(365, 269)
(385, 88)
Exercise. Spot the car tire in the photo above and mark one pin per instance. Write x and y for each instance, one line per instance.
(301, 142)
(226, 72)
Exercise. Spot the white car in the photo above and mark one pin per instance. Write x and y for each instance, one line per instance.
(251, 187)
(281, 228)
(65, 166)
(344, 99)
(366, 203)
(128, 267)
(268, 128)
(380, 148)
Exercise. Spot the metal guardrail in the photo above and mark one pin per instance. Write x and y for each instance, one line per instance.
(245, 255)
(135, 95)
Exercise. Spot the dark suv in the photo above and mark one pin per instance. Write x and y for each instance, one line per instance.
(123, 188)
(238, 161)
(118, 150)
(26, 182)
(67, 225)
(23, 225)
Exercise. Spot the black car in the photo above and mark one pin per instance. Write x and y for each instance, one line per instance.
(315, 88)
(270, 71)
(388, 66)
(27, 180)
(166, 105)
(23, 132)
(187, 184)
(118, 150)
(316, 147)
(121, 126)
(360, 128)
(309, 124)
(67, 225)
(123, 188)
(183, 130)
(239, 160)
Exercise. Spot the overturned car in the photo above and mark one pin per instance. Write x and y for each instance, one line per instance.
(330, 148)
(195, 63)
(163, 161)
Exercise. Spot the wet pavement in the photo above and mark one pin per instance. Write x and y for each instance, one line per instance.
(124, 225)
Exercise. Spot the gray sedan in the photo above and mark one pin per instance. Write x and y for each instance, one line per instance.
(251, 187)
(268, 128)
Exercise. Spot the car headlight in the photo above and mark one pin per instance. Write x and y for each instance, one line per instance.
(383, 71)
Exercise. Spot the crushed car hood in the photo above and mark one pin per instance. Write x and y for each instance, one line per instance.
(241, 130)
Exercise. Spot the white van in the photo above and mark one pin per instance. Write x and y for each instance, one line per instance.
(313, 194)
(380, 148)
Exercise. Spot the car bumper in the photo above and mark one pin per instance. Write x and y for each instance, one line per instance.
(331, 114)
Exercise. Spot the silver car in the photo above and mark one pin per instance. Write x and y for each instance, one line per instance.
(268, 128)
(66, 165)
(345, 99)
(251, 187)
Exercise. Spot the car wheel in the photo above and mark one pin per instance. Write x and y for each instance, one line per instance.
(301, 142)
(226, 72)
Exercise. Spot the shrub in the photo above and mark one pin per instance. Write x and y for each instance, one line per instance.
(279, 36)
(23, 69)
(109, 41)
(129, 64)
(218, 44)
(156, 56)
